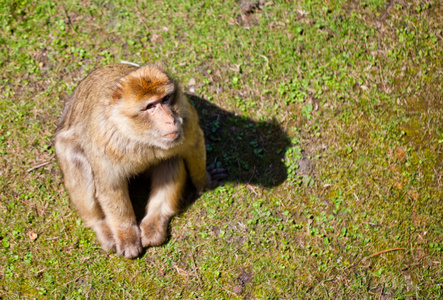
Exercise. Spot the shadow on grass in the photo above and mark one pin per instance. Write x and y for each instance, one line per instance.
(251, 151)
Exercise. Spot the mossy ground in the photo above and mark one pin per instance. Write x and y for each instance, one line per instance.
(327, 114)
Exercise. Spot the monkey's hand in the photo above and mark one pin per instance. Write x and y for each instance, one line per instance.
(128, 241)
(216, 176)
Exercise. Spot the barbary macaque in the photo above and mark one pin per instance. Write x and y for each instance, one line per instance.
(122, 121)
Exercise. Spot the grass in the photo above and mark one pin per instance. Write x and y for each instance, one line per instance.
(327, 114)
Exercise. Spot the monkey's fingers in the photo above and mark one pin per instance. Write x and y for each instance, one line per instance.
(216, 176)
(210, 168)
(219, 174)
(128, 242)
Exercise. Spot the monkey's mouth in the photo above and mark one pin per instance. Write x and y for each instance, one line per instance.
(171, 136)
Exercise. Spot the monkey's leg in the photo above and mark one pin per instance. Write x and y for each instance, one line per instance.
(79, 182)
(168, 180)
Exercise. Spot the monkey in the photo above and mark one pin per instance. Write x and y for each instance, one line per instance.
(121, 121)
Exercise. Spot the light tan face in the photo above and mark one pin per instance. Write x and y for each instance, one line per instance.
(151, 101)
(164, 123)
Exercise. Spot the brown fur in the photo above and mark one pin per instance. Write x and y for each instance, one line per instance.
(106, 136)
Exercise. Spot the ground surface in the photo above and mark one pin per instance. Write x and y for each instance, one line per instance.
(327, 114)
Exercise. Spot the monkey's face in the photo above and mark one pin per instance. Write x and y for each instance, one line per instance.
(153, 120)
(152, 105)
(161, 120)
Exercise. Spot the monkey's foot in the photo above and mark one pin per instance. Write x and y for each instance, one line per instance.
(128, 241)
(104, 235)
(216, 175)
(154, 230)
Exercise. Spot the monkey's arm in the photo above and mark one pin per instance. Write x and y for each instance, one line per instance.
(164, 200)
(195, 160)
(113, 196)
(79, 181)
(202, 177)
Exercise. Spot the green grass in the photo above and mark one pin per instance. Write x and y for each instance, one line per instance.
(327, 114)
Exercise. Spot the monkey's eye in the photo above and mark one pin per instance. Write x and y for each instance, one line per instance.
(150, 108)
(166, 99)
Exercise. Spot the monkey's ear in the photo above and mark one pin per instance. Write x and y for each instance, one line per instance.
(117, 93)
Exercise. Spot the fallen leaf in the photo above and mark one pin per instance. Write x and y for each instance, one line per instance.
(237, 290)
(413, 194)
(191, 82)
(399, 153)
(32, 235)
(156, 38)
(398, 185)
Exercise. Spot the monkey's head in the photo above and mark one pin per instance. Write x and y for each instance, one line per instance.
(151, 106)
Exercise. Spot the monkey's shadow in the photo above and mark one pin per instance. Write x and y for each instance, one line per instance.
(251, 152)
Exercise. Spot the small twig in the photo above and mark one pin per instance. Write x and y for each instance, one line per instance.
(76, 278)
(265, 58)
(387, 10)
(39, 272)
(251, 189)
(64, 227)
(381, 292)
(129, 63)
(381, 76)
(140, 17)
(33, 206)
(40, 165)
(253, 173)
(180, 271)
(195, 271)
(384, 251)
(68, 22)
